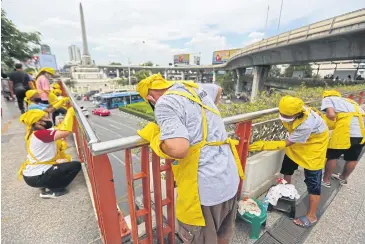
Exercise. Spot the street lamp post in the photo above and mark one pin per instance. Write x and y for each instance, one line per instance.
(129, 72)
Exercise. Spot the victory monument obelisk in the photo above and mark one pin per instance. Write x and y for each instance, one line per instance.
(85, 59)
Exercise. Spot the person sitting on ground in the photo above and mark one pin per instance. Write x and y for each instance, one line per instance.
(348, 135)
(306, 147)
(44, 168)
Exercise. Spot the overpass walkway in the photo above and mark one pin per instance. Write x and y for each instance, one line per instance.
(25, 217)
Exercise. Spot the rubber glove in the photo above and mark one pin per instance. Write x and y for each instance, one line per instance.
(61, 102)
(330, 123)
(52, 98)
(155, 145)
(267, 146)
(149, 131)
(68, 121)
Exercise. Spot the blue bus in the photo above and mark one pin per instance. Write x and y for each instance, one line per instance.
(117, 99)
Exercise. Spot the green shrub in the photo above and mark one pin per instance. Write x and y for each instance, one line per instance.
(139, 111)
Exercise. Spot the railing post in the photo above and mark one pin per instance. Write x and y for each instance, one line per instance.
(243, 131)
(361, 97)
(108, 215)
(158, 196)
(78, 141)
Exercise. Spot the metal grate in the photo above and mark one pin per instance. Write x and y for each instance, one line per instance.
(267, 239)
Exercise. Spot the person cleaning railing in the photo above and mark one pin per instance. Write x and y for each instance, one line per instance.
(306, 146)
(46, 167)
(190, 129)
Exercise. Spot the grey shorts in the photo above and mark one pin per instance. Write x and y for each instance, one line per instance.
(219, 220)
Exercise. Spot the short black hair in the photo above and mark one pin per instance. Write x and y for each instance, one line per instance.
(18, 66)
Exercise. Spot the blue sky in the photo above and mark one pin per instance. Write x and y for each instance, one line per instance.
(117, 29)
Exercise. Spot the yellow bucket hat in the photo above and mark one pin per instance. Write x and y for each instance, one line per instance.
(331, 93)
(46, 69)
(156, 82)
(290, 106)
(30, 93)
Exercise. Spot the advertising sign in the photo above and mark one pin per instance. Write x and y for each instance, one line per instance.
(182, 59)
(46, 60)
(220, 57)
(197, 60)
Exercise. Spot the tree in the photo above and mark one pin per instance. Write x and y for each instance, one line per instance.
(148, 63)
(227, 82)
(307, 68)
(16, 44)
(140, 75)
(115, 63)
(121, 81)
(274, 71)
(70, 83)
(29, 70)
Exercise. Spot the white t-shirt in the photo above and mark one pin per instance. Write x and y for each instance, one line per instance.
(341, 105)
(44, 148)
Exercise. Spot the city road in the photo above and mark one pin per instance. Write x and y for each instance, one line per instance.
(115, 126)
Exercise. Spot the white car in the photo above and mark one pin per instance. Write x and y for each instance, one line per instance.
(85, 112)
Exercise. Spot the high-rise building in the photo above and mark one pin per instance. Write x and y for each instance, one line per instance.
(74, 53)
(45, 49)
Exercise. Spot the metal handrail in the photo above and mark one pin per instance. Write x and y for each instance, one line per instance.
(88, 131)
(110, 146)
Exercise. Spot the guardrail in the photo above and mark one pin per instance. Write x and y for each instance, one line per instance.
(111, 221)
(325, 27)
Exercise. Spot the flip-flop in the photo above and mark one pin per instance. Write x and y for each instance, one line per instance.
(305, 222)
(326, 184)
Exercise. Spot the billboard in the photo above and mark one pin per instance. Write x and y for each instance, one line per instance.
(182, 59)
(220, 57)
(45, 49)
(47, 60)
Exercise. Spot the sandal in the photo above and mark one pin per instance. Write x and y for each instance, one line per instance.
(337, 177)
(305, 222)
(326, 184)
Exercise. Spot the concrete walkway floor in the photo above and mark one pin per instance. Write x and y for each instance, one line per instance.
(25, 217)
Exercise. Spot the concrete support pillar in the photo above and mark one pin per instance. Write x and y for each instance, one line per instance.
(259, 76)
(182, 75)
(118, 74)
(215, 76)
(238, 75)
(200, 76)
(165, 74)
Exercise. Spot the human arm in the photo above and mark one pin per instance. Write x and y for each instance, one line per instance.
(66, 126)
(219, 95)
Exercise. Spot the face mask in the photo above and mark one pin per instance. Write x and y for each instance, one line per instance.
(37, 100)
(285, 119)
(48, 125)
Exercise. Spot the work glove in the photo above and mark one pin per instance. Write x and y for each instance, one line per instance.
(68, 121)
(267, 146)
(61, 102)
(149, 131)
(330, 123)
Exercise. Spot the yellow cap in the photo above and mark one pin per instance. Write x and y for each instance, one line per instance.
(331, 93)
(32, 116)
(56, 86)
(156, 82)
(291, 105)
(30, 93)
(46, 69)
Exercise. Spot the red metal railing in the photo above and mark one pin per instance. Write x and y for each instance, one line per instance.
(111, 221)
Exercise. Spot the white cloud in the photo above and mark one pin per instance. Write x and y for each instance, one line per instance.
(118, 28)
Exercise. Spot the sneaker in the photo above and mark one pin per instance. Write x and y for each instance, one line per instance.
(326, 184)
(52, 194)
(337, 177)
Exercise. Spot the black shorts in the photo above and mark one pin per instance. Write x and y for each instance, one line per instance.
(288, 167)
(312, 177)
(351, 154)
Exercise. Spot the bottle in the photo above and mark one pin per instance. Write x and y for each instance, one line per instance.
(265, 203)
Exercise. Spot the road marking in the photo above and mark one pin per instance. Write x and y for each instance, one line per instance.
(120, 123)
(93, 123)
(116, 127)
(121, 161)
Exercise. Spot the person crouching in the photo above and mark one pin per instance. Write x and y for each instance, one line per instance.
(43, 167)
